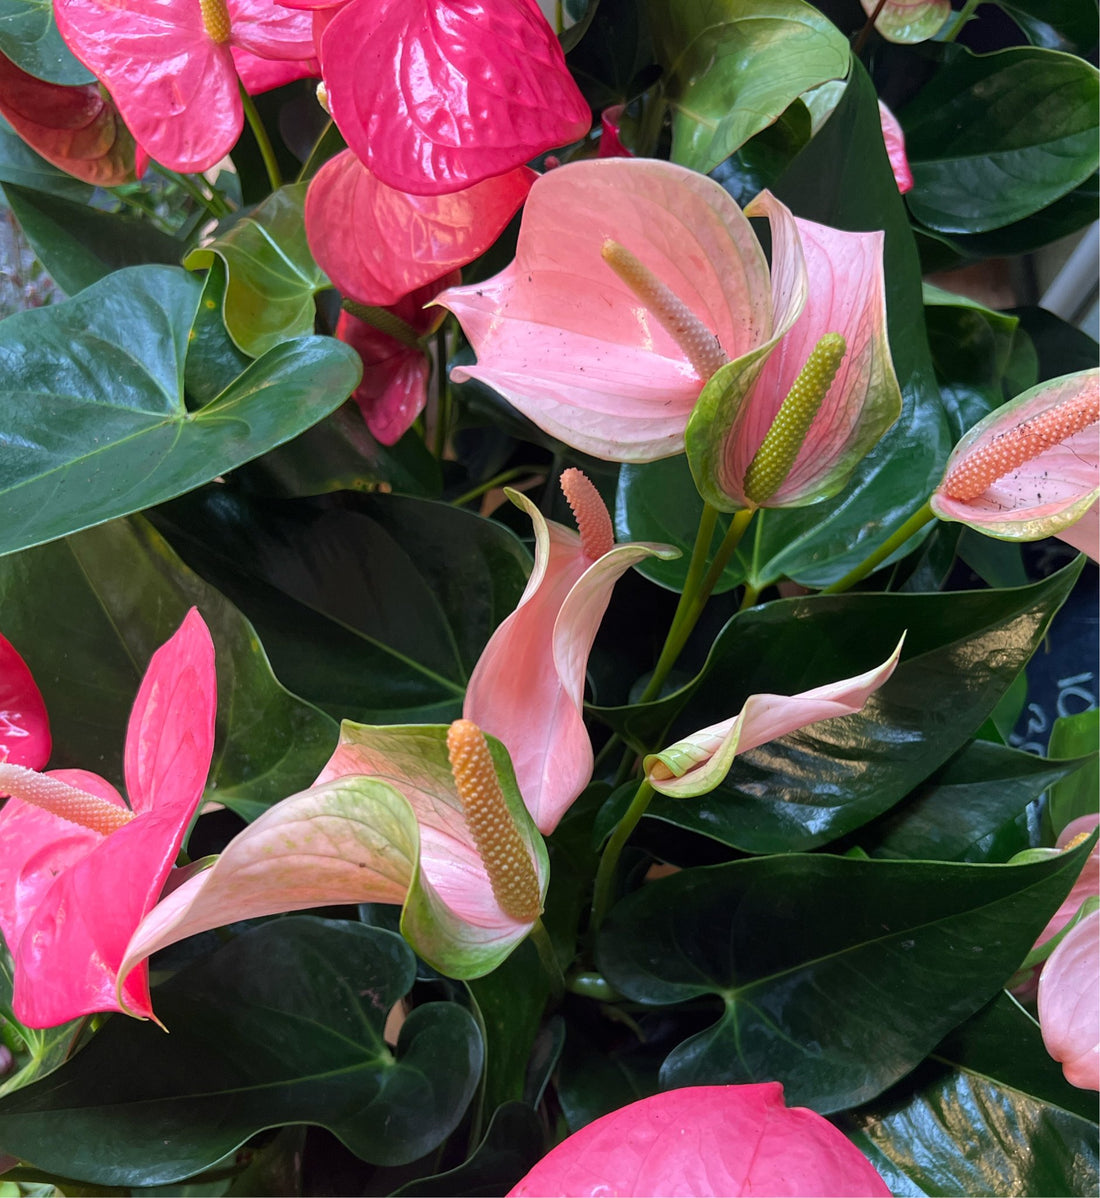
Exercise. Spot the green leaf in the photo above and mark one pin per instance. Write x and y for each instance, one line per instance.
(272, 275)
(989, 1113)
(213, 361)
(829, 778)
(93, 389)
(837, 975)
(38, 1051)
(29, 37)
(958, 814)
(376, 607)
(996, 137)
(1075, 796)
(87, 614)
(910, 22)
(79, 245)
(21, 165)
(734, 67)
(843, 179)
(282, 1025)
(1056, 24)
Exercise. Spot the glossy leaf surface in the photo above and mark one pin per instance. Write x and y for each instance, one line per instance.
(29, 37)
(272, 275)
(92, 606)
(905, 951)
(111, 360)
(138, 1107)
(908, 21)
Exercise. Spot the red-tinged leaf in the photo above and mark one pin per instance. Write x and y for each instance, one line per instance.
(706, 1141)
(76, 128)
(175, 87)
(908, 21)
(377, 244)
(437, 95)
(24, 724)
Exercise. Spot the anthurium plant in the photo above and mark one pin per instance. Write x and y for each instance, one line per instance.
(547, 633)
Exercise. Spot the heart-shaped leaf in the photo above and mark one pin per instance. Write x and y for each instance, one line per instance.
(734, 68)
(282, 1025)
(837, 975)
(94, 389)
(90, 608)
(376, 608)
(272, 275)
(29, 37)
(1022, 114)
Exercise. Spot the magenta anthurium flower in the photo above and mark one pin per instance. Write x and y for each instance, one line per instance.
(698, 763)
(394, 387)
(1069, 1003)
(24, 724)
(76, 128)
(706, 1142)
(437, 95)
(527, 688)
(168, 65)
(386, 822)
(377, 244)
(1030, 469)
(79, 869)
(894, 138)
(635, 282)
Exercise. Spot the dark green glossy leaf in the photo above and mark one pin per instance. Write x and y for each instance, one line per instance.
(375, 608)
(962, 652)
(79, 245)
(659, 502)
(19, 164)
(989, 1113)
(93, 394)
(761, 161)
(1061, 347)
(734, 68)
(87, 614)
(272, 275)
(512, 1145)
(957, 814)
(29, 37)
(213, 361)
(282, 1025)
(1056, 24)
(1076, 795)
(843, 179)
(996, 137)
(614, 49)
(838, 975)
(600, 1075)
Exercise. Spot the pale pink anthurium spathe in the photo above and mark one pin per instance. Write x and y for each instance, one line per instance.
(376, 244)
(437, 95)
(706, 1142)
(591, 359)
(1031, 468)
(24, 724)
(698, 763)
(384, 823)
(169, 65)
(894, 138)
(527, 688)
(908, 21)
(1069, 1003)
(74, 888)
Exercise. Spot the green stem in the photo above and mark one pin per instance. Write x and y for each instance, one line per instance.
(498, 480)
(214, 203)
(896, 539)
(749, 598)
(314, 162)
(965, 13)
(609, 860)
(696, 591)
(549, 959)
(865, 32)
(267, 151)
(591, 985)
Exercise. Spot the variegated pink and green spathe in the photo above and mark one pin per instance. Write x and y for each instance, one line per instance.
(588, 358)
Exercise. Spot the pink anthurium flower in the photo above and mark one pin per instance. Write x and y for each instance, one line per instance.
(527, 688)
(1069, 1003)
(908, 21)
(706, 1142)
(611, 145)
(698, 763)
(377, 244)
(635, 282)
(393, 818)
(24, 725)
(168, 65)
(437, 95)
(396, 370)
(1031, 468)
(894, 138)
(76, 128)
(79, 869)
